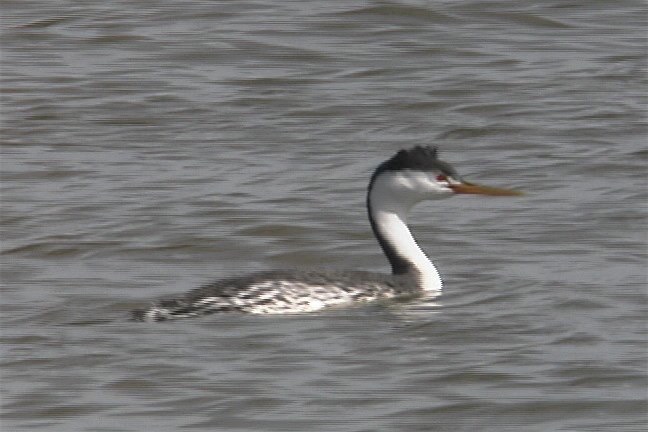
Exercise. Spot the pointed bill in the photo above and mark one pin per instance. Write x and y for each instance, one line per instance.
(471, 188)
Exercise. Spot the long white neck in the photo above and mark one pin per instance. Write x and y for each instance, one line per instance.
(388, 216)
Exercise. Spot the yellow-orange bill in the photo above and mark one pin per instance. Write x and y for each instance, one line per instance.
(470, 188)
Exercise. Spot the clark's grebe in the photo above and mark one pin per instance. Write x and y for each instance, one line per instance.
(407, 178)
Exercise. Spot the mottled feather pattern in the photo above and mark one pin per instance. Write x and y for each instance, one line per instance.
(281, 293)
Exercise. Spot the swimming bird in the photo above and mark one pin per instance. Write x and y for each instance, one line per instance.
(410, 176)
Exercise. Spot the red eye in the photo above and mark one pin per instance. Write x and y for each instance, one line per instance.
(441, 177)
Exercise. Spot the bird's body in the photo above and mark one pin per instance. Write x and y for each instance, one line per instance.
(400, 182)
(283, 292)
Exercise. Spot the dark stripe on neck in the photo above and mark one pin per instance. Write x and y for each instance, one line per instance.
(398, 264)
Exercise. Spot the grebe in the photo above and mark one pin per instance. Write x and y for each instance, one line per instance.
(397, 184)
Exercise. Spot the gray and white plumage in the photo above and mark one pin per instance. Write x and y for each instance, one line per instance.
(281, 292)
(397, 184)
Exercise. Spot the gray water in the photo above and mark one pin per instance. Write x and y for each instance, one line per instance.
(150, 147)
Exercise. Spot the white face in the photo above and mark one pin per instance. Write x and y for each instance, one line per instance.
(404, 188)
(424, 184)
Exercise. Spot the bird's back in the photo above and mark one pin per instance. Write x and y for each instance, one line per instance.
(280, 292)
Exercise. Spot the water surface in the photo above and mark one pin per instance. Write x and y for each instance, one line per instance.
(147, 149)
